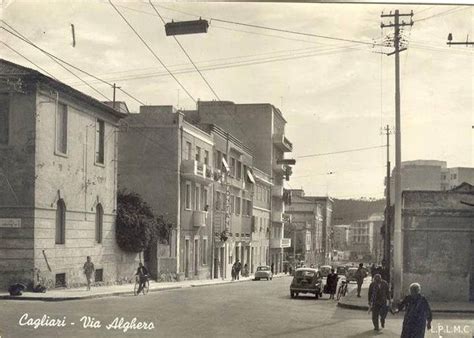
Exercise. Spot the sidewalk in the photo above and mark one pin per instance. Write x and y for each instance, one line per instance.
(117, 290)
(351, 301)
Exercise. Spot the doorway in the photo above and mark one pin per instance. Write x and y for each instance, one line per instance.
(186, 258)
(196, 256)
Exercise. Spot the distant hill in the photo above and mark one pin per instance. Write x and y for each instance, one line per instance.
(348, 211)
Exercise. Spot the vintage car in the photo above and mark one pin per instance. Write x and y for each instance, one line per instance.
(263, 272)
(325, 270)
(307, 280)
(350, 274)
(341, 270)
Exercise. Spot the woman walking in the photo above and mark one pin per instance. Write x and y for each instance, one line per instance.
(332, 284)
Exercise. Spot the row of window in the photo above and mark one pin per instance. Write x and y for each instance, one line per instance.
(200, 155)
(262, 193)
(237, 205)
(61, 129)
(60, 237)
(200, 200)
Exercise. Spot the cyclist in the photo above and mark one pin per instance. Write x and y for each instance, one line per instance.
(142, 274)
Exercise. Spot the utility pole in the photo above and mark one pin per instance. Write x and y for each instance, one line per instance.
(387, 230)
(397, 240)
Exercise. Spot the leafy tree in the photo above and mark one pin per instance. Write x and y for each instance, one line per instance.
(136, 226)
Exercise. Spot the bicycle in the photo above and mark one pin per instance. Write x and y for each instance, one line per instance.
(342, 291)
(146, 286)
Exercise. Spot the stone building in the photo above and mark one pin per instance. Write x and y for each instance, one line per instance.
(438, 243)
(169, 162)
(365, 239)
(58, 178)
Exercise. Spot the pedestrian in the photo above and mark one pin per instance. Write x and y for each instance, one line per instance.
(332, 283)
(359, 276)
(142, 275)
(379, 295)
(233, 271)
(272, 268)
(245, 270)
(238, 267)
(88, 271)
(417, 313)
(372, 271)
(290, 270)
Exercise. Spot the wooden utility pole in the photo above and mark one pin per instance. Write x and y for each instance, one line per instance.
(397, 238)
(387, 229)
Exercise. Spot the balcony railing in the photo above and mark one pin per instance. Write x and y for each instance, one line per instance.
(196, 171)
(282, 142)
(276, 243)
(199, 218)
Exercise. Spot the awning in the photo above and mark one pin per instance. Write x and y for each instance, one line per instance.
(250, 176)
(225, 164)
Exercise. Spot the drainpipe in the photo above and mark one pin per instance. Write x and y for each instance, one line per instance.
(178, 215)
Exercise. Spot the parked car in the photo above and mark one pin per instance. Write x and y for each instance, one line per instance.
(350, 274)
(307, 280)
(325, 270)
(341, 270)
(263, 271)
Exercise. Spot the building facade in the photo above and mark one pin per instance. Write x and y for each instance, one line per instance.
(58, 178)
(438, 243)
(341, 237)
(169, 162)
(262, 128)
(365, 239)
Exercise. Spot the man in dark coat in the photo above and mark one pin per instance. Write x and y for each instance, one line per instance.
(417, 313)
(360, 275)
(331, 282)
(379, 295)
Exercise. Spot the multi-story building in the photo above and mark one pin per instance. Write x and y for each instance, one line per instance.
(365, 240)
(232, 209)
(431, 175)
(169, 162)
(261, 219)
(262, 128)
(58, 178)
(306, 232)
(340, 237)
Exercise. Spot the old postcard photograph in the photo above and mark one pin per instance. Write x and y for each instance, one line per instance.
(236, 169)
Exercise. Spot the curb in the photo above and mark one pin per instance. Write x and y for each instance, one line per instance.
(119, 293)
(366, 308)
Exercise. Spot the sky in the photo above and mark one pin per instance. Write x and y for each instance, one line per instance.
(335, 89)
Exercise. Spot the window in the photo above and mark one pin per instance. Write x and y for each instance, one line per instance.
(188, 150)
(249, 208)
(205, 202)
(197, 198)
(99, 221)
(206, 157)
(204, 251)
(198, 154)
(61, 128)
(232, 166)
(218, 159)
(187, 197)
(99, 141)
(218, 200)
(61, 222)
(4, 118)
(60, 280)
(237, 205)
(454, 176)
(239, 170)
(232, 204)
(244, 207)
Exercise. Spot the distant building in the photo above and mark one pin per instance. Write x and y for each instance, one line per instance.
(438, 241)
(341, 237)
(58, 183)
(365, 240)
(431, 175)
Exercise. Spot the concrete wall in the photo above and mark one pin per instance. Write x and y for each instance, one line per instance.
(438, 234)
(17, 192)
(82, 184)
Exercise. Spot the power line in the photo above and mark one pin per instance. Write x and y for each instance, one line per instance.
(152, 52)
(339, 171)
(27, 59)
(446, 12)
(187, 55)
(341, 152)
(59, 60)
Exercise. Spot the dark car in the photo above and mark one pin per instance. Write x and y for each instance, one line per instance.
(306, 280)
(341, 270)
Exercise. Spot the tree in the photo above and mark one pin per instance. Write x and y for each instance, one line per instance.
(136, 226)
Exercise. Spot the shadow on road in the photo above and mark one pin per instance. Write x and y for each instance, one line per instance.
(368, 333)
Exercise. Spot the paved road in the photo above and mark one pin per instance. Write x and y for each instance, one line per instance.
(233, 310)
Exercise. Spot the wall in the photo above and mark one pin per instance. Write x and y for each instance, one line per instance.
(17, 191)
(437, 236)
(82, 184)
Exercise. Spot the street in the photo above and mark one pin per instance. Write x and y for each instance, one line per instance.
(249, 309)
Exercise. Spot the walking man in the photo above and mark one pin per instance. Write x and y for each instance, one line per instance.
(142, 275)
(379, 295)
(88, 271)
(360, 275)
(417, 313)
(238, 267)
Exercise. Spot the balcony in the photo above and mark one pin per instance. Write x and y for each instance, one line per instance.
(281, 142)
(199, 218)
(196, 171)
(235, 182)
(278, 243)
